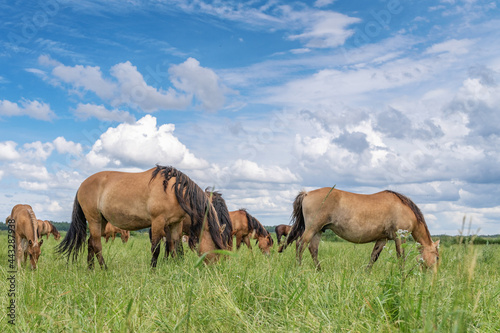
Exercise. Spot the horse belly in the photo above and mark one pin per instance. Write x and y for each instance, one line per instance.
(359, 231)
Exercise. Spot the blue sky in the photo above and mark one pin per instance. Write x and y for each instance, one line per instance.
(258, 98)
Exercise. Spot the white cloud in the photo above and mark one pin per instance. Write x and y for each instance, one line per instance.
(245, 170)
(33, 109)
(452, 46)
(134, 91)
(325, 29)
(142, 144)
(8, 151)
(28, 171)
(86, 111)
(67, 147)
(201, 82)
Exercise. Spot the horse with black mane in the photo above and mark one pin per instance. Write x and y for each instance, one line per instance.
(160, 198)
(282, 230)
(358, 218)
(26, 234)
(245, 226)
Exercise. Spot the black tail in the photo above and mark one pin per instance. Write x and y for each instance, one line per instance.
(298, 221)
(223, 214)
(72, 244)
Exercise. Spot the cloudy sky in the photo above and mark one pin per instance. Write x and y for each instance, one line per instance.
(257, 98)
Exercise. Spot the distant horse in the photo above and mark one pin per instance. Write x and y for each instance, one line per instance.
(282, 230)
(133, 201)
(175, 248)
(245, 226)
(358, 218)
(111, 231)
(47, 228)
(26, 234)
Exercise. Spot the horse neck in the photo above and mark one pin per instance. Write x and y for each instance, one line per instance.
(206, 242)
(421, 234)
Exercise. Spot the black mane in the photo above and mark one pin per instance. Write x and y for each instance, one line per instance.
(194, 202)
(223, 214)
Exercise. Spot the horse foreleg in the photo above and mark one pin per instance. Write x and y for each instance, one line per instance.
(379, 246)
(399, 250)
(313, 249)
(246, 239)
(238, 242)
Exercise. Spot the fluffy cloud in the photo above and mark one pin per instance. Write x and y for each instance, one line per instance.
(67, 147)
(134, 91)
(8, 151)
(201, 82)
(142, 144)
(33, 109)
(86, 111)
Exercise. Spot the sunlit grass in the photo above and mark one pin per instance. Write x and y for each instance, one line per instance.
(249, 292)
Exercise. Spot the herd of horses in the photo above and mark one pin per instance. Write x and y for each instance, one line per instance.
(171, 205)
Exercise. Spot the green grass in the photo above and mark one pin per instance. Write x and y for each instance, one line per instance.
(249, 292)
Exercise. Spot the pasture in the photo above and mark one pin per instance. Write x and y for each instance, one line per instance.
(249, 292)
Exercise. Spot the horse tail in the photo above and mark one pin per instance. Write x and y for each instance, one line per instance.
(414, 208)
(223, 214)
(194, 202)
(298, 220)
(72, 243)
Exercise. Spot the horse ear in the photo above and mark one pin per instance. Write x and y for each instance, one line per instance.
(436, 244)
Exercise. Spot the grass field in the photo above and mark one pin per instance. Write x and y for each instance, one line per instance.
(252, 293)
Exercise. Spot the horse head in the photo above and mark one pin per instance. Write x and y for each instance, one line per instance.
(124, 235)
(265, 243)
(430, 255)
(34, 251)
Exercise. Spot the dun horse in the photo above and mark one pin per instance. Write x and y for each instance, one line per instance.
(282, 230)
(26, 234)
(159, 198)
(245, 226)
(358, 218)
(111, 231)
(47, 228)
(175, 248)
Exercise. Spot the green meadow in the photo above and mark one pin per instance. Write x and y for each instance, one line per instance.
(249, 292)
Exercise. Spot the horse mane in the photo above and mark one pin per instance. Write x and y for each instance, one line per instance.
(223, 214)
(414, 208)
(254, 224)
(34, 224)
(194, 202)
(54, 229)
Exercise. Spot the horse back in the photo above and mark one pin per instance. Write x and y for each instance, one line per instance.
(24, 226)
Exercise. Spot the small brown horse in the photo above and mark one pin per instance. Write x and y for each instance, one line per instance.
(159, 198)
(175, 248)
(26, 234)
(111, 231)
(282, 230)
(245, 226)
(47, 228)
(358, 218)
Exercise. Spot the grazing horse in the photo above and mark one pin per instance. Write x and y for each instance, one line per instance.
(246, 226)
(282, 230)
(26, 234)
(175, 248)
(358, 218)
(160, 198)
(111, 231)
(47, 228)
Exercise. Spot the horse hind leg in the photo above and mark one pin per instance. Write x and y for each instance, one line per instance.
(95, 245)
(313, 249)
(379, 246)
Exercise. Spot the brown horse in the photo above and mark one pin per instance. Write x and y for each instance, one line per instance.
(282, 230)
(111, 231)
(175, 248)
(245, 226)
(358, 218)
(47, 228)
(26, 234)
(159, 198)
